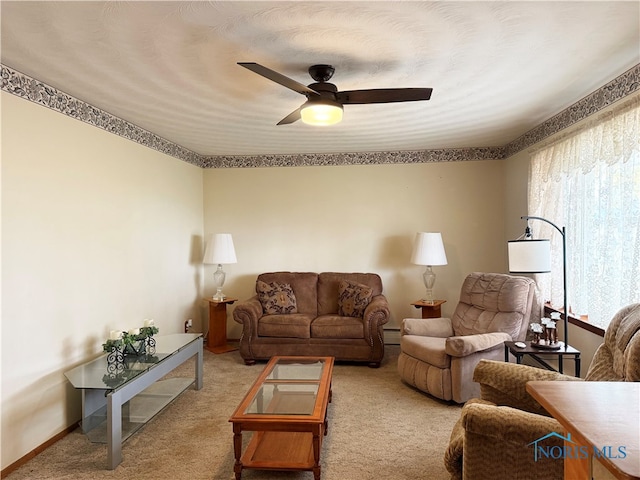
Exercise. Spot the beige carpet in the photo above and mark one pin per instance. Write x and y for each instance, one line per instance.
(379, 428)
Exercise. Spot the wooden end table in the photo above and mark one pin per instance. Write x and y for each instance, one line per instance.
(217, 336)
(286, 408)
(430, 309)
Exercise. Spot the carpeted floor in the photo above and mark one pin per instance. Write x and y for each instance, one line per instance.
(379, 428)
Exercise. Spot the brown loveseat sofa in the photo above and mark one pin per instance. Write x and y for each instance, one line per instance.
(303, 313)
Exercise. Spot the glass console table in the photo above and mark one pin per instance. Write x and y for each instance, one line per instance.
(116, 403)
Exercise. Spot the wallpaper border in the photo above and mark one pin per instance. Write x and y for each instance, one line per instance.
(617, 89)
(24, 86)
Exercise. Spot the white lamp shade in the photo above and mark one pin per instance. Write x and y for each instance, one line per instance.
(529, 256)
(220, 250)
(428, 249)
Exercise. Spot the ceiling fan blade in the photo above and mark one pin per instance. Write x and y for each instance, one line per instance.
(292, 117)
(384, 95)
(279, 78)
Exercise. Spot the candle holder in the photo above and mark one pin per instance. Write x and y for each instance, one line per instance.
(115, 362)
(135, 342)
(545, 334)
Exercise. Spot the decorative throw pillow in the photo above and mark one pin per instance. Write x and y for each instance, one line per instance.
(353, 298)
(277, 298)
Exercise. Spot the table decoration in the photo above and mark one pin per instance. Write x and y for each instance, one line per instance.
(134, 342)
(545, 334)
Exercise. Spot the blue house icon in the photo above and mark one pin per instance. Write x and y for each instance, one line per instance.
(548, 435)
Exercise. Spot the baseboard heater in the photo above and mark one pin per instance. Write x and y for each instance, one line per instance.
(392, 336)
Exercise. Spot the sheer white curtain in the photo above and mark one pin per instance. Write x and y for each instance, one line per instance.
(590, 183)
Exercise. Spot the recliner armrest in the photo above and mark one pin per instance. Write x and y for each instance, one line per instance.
(501, 422)
(432, 327)
(465, 345)
(505, 383)
(499, 443)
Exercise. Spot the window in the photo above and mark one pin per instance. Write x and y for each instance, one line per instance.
(589, 182)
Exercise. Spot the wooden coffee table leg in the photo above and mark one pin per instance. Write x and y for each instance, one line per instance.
(316, 455)
(237, 450)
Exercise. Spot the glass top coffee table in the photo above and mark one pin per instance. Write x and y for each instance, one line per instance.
(286, 408)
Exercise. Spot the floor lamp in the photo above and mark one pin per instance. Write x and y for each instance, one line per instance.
(527, 255)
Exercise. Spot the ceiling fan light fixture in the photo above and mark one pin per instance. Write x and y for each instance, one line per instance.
(321, 112)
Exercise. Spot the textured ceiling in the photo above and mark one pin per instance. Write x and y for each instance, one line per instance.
(498, 69)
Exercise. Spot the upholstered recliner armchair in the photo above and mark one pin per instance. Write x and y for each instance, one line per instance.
(439, 355)
(493, 436)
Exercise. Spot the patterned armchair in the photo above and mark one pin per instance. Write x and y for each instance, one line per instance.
(439, 355)
(492, 438)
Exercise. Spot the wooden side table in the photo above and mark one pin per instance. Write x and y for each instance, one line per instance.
(430, 310)
(217, 336)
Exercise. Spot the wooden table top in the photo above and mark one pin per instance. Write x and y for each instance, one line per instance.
(434, 303)
(597, 414)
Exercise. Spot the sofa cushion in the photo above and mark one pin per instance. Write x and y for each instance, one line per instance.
(304, 285)
(276, 298)
(292, 325)
(353, 298)
(335, 326)
(328, 285)
(426, 349)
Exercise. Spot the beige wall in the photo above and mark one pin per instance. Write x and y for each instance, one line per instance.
(98, 233)
(360, 218)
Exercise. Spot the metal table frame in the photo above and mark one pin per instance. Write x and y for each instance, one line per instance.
(95, 399)
(519, 353)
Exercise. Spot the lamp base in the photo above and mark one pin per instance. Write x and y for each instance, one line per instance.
(219, 296)
(429, 279)
(218, 280)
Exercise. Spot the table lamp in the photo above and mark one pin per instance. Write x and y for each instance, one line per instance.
(428, 250)
(219, 251)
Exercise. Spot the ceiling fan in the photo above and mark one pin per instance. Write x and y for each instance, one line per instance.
(324, 103)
